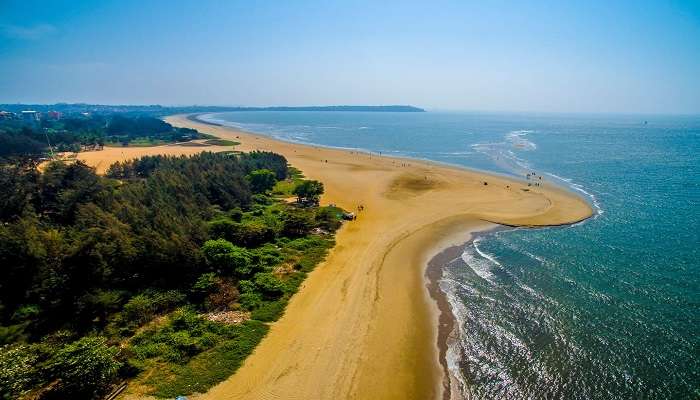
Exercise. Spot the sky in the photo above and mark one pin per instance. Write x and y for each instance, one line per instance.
(592, 56)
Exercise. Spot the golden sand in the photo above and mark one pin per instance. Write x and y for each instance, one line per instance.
(362, 326)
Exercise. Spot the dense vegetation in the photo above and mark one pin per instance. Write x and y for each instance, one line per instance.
(24, 138)
(121, 277)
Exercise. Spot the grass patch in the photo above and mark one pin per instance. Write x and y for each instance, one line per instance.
(270, 311)
(221, 142)
(138, 142)
(284, 188)
(209, 367)
(190, 354)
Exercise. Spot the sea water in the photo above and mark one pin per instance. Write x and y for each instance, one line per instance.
(604, 309)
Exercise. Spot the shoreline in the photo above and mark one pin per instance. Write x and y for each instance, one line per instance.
(561, 185)
(448, 332)
(364, 325)
(457, 236)
(446, 319)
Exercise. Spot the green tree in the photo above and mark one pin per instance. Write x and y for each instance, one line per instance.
(308, 191)
(297, 222)
(249, 234)
(226, 257)
(261, 180)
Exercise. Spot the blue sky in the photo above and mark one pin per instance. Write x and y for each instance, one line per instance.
(591, 56)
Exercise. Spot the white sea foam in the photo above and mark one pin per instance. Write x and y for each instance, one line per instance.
(579, 188)
(480, 265)
(502, 154)
(487, 256)
(517, 139)
(522, 132)
(456, 347)
(534, 256)
(451, 153)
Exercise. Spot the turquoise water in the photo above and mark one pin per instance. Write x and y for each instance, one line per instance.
(605, 309)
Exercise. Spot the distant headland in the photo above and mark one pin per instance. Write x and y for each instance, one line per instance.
(394, 108)
(165, 110)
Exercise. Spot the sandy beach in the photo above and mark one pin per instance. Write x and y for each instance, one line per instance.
(363, 326)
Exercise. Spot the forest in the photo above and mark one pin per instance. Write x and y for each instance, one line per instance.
(37, 138)
(164, 272)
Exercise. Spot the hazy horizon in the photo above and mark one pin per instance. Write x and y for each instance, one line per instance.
(628, 57)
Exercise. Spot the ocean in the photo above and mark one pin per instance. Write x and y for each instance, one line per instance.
(605, 309)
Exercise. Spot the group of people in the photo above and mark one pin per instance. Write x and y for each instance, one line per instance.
(533, 176)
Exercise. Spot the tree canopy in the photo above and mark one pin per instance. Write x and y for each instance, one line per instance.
(33, 139)
(309, 191)
(87, 262)
(261, 180)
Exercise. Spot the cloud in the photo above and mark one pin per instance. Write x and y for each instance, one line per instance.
(34, 32)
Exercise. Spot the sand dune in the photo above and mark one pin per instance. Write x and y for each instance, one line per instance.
(362, 326)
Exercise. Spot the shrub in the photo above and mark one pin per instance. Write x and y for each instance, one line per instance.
(246, 286)
(17, 370)
(269, 284)
(144, 307)
(84, 367)
(222, 228)
(185, 319)
(225, 257)
(254, 233)
(305, 243)
(327, 218)
(267, 256)
(185, 335)
(224, 297)
(210, 367)
(12, 333)
(217, 293)
(205, 284)
(26, 312)
(297, 223)
(250, 300)
(235, 214)
(269, 311)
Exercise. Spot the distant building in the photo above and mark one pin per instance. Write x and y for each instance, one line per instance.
(30, 115)
(55, 115)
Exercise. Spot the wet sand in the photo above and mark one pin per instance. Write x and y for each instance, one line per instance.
(363, 326)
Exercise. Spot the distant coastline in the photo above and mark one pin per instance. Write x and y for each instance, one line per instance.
(159, 110)
(392, 108)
